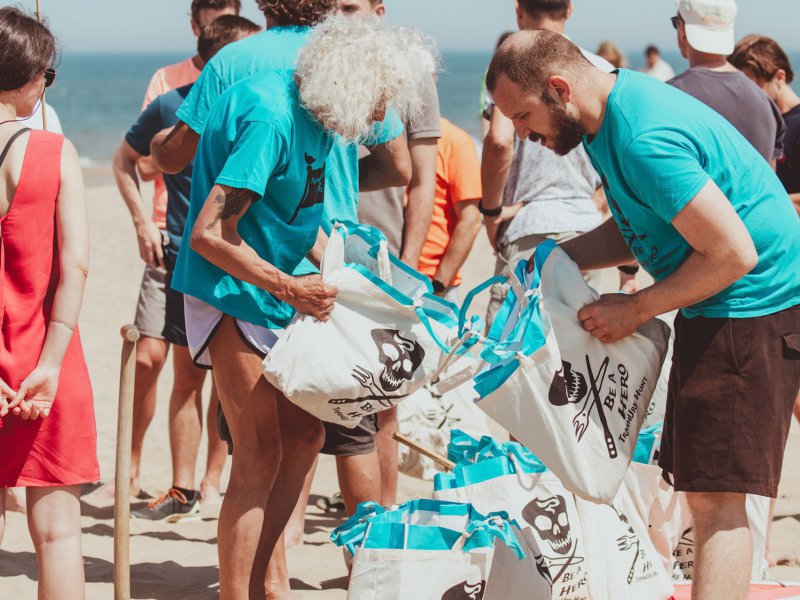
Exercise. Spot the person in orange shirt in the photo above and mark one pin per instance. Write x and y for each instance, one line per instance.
(152, 349)
(456, 219)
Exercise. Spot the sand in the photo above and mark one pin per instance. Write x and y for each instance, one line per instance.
(172, 562)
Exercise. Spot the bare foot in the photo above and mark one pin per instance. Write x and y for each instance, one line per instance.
(210, 494)
(15, 500)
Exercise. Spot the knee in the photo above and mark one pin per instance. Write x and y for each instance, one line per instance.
(55, 531)
(150, 359)
(713, 507)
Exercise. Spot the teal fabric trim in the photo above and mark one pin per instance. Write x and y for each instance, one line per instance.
(646, 444)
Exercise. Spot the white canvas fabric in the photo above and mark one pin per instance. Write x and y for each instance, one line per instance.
(577, 403)
(386, 337)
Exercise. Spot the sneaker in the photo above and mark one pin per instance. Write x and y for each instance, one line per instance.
(171, 507)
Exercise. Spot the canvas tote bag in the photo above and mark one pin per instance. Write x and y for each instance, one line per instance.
(387, 336)
(577, 403)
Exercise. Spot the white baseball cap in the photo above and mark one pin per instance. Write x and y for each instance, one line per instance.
(709, 24)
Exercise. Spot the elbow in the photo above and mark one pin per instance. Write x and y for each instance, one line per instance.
(400, 175)
(742, 261)
(201, 242)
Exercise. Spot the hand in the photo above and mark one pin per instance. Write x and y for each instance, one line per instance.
(309, 296)
(627, 283)
(6, 395)
(493, 223)
(612, 317)
(35, 395)
(149, 237)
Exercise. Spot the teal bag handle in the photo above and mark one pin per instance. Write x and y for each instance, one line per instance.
(474, 293)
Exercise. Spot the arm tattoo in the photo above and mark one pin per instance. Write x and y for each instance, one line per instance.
(231, 204)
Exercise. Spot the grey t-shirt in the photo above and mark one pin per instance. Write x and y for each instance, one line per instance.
(733, 95)
(556, 190)
(385, 209)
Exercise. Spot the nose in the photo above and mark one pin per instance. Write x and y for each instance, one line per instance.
(522, 130)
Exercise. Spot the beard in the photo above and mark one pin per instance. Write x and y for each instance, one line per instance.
(568, 129)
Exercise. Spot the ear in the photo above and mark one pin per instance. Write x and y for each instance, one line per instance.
(559, 89)
(195, 28)
(380, 10)
(520, 14)
(780, 77)
(569, 10)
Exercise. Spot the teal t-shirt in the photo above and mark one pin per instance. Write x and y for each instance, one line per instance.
(656, 149)
(258, 137)
(277, 49)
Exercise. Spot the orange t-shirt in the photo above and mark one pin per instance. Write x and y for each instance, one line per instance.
(458, 179)
(165, 80)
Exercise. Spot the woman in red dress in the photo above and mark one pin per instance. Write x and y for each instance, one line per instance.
(48, 436)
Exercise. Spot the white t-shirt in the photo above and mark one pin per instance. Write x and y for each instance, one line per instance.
(35, 121)
(661, 71)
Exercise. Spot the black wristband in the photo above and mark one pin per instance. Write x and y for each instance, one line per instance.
(629, 269)
(438, 287)
(489, 212)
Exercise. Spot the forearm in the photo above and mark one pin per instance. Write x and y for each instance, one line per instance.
(64, 317)
(458, 249)
(387, 165)
(418, 217)
(496, 159)
(317, 252)
(173, 149)
(128, 185)
(601, 248)
(697, 279)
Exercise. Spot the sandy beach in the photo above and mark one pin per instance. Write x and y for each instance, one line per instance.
(179, 561)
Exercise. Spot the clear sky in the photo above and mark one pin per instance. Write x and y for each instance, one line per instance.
(163, 25)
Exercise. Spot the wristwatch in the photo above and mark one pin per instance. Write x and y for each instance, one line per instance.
(489, 212)
(438, 287)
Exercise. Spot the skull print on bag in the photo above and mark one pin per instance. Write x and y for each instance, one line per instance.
(399, 356)
(465, 591)
(549, 518)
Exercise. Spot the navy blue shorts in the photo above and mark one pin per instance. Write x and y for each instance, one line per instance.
(175, 320)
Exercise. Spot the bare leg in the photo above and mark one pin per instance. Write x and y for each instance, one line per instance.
(15, 500)
(295, 528)
(387, 452)
(797, 407)
(359, 479)
(185, 417)
(302, 437)
(54, 520)
(217, 453)
(250, 407)
(723, 546)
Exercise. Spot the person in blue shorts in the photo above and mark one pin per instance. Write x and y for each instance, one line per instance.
(256, 210)
(703, 212)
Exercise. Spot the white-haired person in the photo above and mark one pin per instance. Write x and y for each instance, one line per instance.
(255, 213)
(697, 206)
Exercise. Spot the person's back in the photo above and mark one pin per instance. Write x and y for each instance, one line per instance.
(705, 35)
(646, 118)
(740, 101)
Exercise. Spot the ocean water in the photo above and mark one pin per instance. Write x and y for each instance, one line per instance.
(98, 96)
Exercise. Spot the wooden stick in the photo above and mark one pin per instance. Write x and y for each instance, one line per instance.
(44, 102)
(434, 456)
(122, 489)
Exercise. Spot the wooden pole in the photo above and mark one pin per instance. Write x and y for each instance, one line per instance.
(122, 491)
(44, 102)
(434, 456)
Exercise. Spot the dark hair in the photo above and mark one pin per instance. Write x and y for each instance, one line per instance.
(296, 12)
(503, 37)
(652, 50)
(762, 56)
(222, 31)
(529, 58)
(27, 48)
(198, 5)
(555, 9)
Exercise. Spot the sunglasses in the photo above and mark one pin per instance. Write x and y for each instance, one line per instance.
(675, 20)
(49, 77)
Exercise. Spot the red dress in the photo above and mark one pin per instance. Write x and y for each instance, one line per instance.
(62, 448)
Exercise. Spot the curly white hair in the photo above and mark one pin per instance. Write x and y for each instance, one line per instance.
(354, 67)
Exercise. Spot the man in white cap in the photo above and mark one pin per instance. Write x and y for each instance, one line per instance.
(706, 38)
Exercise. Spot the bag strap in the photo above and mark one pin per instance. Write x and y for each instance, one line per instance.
(10, 141)
(470, 297)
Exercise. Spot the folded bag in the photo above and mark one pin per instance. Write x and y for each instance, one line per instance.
(576, 402)
(387, 336)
